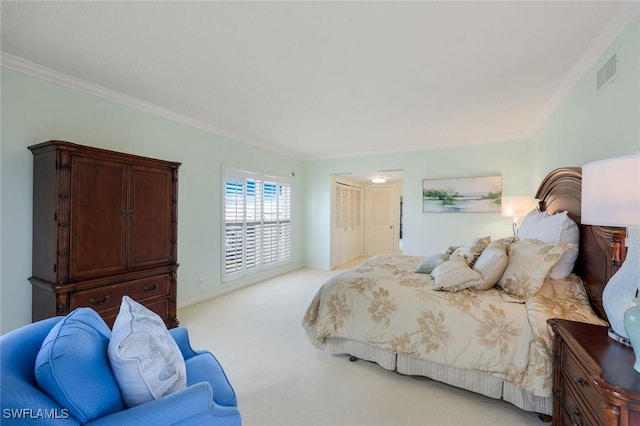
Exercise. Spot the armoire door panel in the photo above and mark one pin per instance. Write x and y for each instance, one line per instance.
(98, 217)
(150, 216)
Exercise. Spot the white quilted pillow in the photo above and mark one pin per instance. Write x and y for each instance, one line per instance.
(146, 361)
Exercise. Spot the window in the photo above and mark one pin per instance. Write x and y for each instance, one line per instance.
(257, 222)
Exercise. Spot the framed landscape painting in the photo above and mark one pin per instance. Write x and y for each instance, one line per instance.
(462, 195)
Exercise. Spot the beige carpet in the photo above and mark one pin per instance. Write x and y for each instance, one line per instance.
(282, 380)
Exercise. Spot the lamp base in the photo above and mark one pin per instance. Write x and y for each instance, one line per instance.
(620, 339)
(622, 288)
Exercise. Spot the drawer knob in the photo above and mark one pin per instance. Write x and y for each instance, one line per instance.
(101, 302)
(148, 289)
(579, 381)
(574, 414)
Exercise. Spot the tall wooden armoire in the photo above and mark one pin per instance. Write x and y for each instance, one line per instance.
(104, 226)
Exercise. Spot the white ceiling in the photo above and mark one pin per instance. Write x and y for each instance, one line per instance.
(324, 79)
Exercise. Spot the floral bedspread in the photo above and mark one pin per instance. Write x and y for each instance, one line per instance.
(384, 303)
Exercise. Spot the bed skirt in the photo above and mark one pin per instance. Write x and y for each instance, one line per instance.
(464, 379)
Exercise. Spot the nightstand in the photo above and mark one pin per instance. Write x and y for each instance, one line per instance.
(594, 382)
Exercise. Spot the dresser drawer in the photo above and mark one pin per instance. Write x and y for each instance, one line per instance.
(580, 393)
(575, 411)
(109, 297)
(160, 307)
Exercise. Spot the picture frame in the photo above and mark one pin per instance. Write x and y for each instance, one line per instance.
(481, 194)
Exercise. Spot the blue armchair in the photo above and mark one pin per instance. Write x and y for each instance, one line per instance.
(207, 399)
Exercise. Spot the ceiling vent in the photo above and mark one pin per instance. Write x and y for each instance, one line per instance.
(608, 72)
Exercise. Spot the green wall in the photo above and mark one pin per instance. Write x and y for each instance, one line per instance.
(590, 124)
(423, 232)
(587, 125)
(34, 110)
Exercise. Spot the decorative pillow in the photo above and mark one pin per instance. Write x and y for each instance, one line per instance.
(529, 264)
(146, 361)
(428, 263)
(451, 249)
(505, 243)
(471, 251)
(557, 228)
(455, 275)
(72, 366)
(492, 263)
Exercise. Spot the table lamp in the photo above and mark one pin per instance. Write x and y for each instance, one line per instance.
(611, 197)
(516, 207)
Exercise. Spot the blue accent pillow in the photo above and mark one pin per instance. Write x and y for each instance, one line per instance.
(73, 367)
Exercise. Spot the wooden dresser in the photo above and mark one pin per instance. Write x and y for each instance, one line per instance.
(104, 226)
(594, 382)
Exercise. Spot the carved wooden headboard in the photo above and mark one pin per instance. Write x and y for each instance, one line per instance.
(602, 249)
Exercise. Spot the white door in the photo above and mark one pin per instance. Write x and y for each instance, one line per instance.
(380, 219)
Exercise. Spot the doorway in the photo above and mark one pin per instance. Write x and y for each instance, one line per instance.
(366, 217)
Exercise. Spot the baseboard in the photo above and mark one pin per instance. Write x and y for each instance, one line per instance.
(237, 286)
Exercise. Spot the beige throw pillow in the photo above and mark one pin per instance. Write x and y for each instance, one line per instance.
(529, 264)
(455, 275)
(492, 263)
(471, 251)
(557, 228)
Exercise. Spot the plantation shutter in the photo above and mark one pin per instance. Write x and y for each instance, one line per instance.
(257, 222)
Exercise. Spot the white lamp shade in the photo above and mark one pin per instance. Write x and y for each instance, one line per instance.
(516, 205)
(611, 192)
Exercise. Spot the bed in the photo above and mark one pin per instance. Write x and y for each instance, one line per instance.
(453, 325)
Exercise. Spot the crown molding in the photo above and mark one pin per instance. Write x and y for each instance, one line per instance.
(627, 13)
(21, 65)
(616, 25)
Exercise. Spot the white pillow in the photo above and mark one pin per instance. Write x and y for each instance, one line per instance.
(554, 229)
(570, 234)
(530, 221)
(146, 361)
